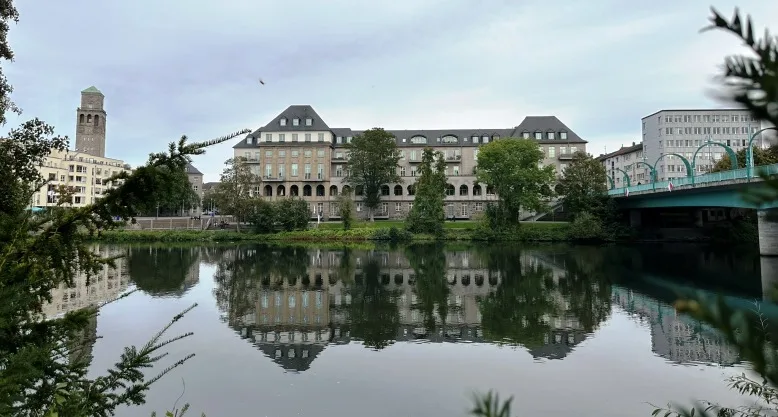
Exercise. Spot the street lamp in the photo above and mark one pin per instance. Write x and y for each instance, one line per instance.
(750, 151)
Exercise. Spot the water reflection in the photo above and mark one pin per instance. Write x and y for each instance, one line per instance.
(164, 270)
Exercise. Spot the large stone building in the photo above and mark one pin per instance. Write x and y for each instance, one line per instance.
(682, 132)
(623, 164)
(90, 127)
(298, 154)
(196, 180)
(85, 169)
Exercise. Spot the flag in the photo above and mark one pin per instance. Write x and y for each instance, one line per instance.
(626, 192)
(670, 186)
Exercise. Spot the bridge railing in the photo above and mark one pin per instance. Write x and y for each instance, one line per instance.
(704, 179)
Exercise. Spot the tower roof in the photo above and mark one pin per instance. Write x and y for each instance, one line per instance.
(92, 89)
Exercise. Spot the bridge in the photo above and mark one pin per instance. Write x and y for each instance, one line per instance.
(719, 189)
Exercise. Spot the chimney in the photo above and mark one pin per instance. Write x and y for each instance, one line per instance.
(633, 143)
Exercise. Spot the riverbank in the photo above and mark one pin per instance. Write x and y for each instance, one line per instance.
(383, 231)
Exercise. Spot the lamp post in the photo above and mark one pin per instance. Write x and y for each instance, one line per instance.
(750, 150)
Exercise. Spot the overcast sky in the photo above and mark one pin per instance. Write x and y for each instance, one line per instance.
(191, 67)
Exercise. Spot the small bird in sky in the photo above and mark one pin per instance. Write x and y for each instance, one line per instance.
(261, 82)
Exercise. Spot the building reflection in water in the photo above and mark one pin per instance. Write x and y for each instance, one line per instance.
(676, 337)
(293, 302)
(108, 284)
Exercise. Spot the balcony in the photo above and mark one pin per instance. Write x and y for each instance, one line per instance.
(271, 178)
(313, 177)
(565, 156)
(338, 158)
(252, 160)
(453, 157)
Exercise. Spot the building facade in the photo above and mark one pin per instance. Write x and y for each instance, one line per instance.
(196, 180)
(85, 174)
(90, 123)
(623, 164)
(682, 132)
(298, 155)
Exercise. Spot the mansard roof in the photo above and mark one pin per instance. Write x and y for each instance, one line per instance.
(434, 137)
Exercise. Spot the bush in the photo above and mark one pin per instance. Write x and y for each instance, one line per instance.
(292, 214)
(264, 217)
(393, 234)
(586, 227)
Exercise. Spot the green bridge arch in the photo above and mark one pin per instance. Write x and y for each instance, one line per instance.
(626, 176)
(652, 170)
(610, 180)
(689, 166)
(730, 152)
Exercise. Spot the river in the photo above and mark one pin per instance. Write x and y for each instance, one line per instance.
(416, 330)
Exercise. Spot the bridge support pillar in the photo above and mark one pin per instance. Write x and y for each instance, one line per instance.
(635, 218)
(769, 273)
(767, 221)
(698, 218)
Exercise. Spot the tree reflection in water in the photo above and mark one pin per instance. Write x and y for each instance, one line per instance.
(163, 270)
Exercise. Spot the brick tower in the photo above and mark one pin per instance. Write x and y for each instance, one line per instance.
(90, 123)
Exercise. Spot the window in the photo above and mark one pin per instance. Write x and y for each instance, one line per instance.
(552, 151)
(321, 137)
(268, 154)
(307, 171)
(339, 139)
(249, 140)
(402, 171)
(320, 153)
(292, 301)
(550, 135)
(320, 172)
(385, 208)
(398, 207)
(456, 171)
(449, 139)
(281, 137)
(419, 140)
(307, 153)
(485, 139)
(538, 135)
(308, 121)
(463, 211)
(283, 121)
(282, 153)
(359, 207)
(475, 154)
(294, 137)
(268, 171)
(294, 170)
(268, 137)
(295, 122)
(307, 137)
(339, 170)
(295, 153)
(563, 135)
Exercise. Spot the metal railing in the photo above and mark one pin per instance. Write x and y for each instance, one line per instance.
(700, 180)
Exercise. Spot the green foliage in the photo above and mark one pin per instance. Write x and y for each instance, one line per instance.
(373, 312)
(511, 166)
(263, 218)
(372, 162)
(489, 405)
(160, 271)
(427, 214)
(586, 227)
(346, 209)
(761, 157)
(292, 214)
(431, 287)
(235, 192)
(583, 184)
(179, 194)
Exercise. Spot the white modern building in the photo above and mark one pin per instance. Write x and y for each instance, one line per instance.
(682, 132)
(623, 163)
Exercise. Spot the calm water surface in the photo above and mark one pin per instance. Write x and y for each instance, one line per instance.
(414, 331)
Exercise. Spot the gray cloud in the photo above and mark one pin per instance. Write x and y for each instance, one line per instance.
(174, 67)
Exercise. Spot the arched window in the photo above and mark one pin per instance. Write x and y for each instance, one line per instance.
(89, 118)
(463, 190)
(489, 190)
(97, 121)
(81, 118)
(346, 190)
(476, 190)
(479, 280)
(449, 139)
(449, 189)
(333, 190)
(268, 191)
(398, 190)
(465, 280)
(384, 189)
(281, 191)
(358, 190)
(307, 191)
(294, 191)
(411, 190)
(320, 190)
(398, 279)
(419, 140)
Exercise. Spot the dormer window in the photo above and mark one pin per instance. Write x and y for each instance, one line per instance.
(295, 122)
(419, 140)
(308, 121)
(538, 135)
(282, 121)
(550, 135)
(525, 135)
(485, 139)
(563, 135)
(475, 139)
(495, 137)
(249, 140)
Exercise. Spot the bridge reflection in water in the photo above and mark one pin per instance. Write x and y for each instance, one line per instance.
(293, 303)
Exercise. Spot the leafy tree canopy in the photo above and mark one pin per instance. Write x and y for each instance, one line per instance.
(427, 214)
(372, 162)
(583, 184)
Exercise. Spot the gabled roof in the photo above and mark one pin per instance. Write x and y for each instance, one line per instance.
(191, 170)
(92, 89)
(532, 124)
(622, 151)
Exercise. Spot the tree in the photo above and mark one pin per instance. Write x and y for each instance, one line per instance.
(427, 214)
(292, 214)
(761, 157)
(373, 310)
(180, 195)
(512, 167)
(432, 290)
(372, 162)
(233, 194)
(346, 208)
(583, 185)
(161, 270)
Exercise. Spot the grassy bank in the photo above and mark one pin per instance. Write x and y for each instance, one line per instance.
(383, 231)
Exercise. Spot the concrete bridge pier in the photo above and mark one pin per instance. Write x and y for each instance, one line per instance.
(767, 221)
(769, 272)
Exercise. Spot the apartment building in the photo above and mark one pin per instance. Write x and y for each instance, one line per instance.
(623, 164)
(298, 154)
(196, 180)
(85, 173)
(672, 133)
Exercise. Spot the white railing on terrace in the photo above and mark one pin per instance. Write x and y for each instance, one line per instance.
(700, 180)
